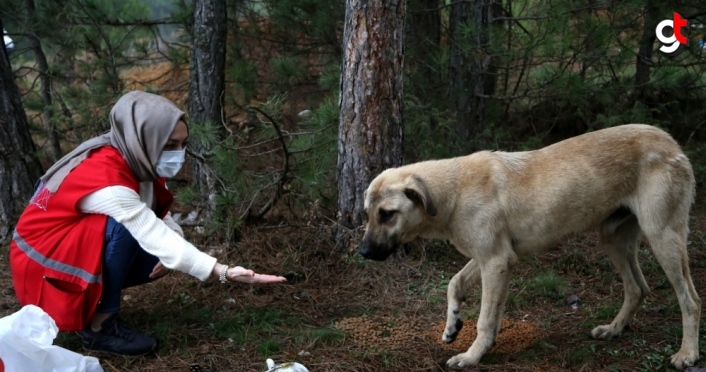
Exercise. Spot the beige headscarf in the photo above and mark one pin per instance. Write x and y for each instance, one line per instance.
(140, 126)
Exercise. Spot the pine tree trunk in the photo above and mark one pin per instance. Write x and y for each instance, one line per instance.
(423, 34)
(473, 75)
(370, 123)
(45, 84)
(207, 81)
(644, 55)
(19, 166)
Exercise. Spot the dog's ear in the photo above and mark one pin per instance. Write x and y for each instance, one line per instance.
(417, 191)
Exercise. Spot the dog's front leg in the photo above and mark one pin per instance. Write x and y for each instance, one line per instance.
(495, 277)
(459, 286)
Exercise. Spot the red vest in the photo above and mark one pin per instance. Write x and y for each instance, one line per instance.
(56, 251)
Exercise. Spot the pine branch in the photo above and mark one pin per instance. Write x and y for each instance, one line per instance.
(137, 22)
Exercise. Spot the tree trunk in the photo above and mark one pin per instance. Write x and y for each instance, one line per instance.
(424, 33)
(207, 81)
(370, 123)
(472, 70)
(644, 55)
(45, 83)
(423, 37)
(19, 166)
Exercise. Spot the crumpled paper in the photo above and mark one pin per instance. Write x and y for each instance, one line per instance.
(26, 338)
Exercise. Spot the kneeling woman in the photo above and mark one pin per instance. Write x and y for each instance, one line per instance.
(99, 222)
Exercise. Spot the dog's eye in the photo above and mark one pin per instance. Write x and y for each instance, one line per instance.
(386, 216)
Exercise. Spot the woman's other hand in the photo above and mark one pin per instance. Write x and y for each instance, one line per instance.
(158, 271)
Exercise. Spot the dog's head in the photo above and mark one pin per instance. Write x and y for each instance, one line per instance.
(397, 205)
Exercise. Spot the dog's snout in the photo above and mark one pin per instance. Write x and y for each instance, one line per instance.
(366, 249)
(373, 252)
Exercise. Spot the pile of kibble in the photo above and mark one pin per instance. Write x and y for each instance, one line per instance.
(396, 333)
(384, 332)
(514, 336)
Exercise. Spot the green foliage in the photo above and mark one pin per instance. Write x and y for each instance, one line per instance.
(248, 323)
(574, 261)
(356, 259)
(181, 299)
(606, 313)
(330, 78)
(320, 337)
(516, 297)
(269, 347)
(424, 126)
(581, 356)
(244, 74)
(205, 134)
(548, 284)
(316, 153)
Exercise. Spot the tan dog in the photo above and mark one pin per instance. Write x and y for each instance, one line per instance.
(630, 181)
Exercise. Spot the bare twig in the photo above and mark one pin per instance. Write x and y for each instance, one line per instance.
(282, 179)
(223, 113)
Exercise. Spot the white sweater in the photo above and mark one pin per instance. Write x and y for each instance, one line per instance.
(161, 238)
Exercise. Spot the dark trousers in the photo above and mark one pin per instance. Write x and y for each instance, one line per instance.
(125, 264)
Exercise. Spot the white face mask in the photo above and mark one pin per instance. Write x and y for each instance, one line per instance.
(169, 163)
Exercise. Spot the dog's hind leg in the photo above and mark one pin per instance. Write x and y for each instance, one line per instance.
(669, 247)
(663, 213)
(495, 280)
(459, 286)
(621, 245)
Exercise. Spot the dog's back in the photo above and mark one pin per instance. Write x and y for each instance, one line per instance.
(579, 183)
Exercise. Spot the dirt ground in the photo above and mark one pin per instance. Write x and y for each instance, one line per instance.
(342, 313)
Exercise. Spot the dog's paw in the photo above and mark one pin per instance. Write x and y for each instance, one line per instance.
(683, 359)
(462, 360)
(604, 332)
(450, 333)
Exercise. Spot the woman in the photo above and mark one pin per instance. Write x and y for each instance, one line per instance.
(99, 222)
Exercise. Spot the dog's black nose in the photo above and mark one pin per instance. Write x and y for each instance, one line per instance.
(373, 254)
(366, 251)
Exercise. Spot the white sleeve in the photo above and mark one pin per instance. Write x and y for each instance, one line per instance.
(153, 234)
(172, 224)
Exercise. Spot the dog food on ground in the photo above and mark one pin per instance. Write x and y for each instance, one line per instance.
(396, 333)
(385, 332)
(514, 336)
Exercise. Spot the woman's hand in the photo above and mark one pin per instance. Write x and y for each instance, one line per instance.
(158, 271)
(241, 274)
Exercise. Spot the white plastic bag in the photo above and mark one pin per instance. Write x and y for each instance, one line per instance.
(284, 367)
(26, 345)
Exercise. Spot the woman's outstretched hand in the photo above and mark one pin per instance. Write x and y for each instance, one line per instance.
(241, 274)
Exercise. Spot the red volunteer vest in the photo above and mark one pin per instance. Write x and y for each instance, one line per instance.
(56, 251)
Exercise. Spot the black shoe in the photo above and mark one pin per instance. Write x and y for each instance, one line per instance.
(116, 337)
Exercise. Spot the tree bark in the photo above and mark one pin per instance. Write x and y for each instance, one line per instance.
(207, 81)
(423, 34)
(472, 70)
(370, 130)
(45, 82)
(19, 166)
(644, 63)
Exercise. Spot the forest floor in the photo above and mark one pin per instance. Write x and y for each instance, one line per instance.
(342, 313)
